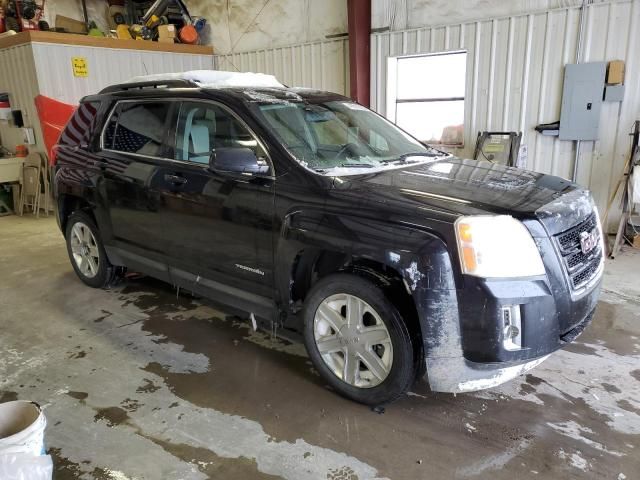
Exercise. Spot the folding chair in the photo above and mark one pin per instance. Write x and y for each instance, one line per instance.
(31, 189)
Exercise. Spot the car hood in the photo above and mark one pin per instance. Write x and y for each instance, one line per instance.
(460, 186)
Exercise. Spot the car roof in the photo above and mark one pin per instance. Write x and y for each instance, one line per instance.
(243, 86)
(242, 94)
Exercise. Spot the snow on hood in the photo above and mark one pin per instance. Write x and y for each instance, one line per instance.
(215, 78)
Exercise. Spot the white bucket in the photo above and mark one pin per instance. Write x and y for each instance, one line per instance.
(22, 427)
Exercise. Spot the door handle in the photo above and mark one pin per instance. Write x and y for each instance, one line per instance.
(175, 179)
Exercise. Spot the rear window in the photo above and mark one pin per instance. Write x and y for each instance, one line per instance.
(80, 127)
(137, 128)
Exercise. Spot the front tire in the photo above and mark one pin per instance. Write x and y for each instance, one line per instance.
(357, 340)
(86, 251)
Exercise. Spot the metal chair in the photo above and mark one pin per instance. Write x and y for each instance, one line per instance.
(31, 188)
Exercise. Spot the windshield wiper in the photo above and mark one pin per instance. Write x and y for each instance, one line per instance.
(344, 165)
(403, 158)
(357, 165)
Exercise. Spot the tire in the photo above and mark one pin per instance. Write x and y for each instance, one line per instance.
(86, 251)
(328, 304)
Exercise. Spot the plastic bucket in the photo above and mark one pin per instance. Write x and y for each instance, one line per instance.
(22, 427)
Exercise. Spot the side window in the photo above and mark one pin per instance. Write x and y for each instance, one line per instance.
(140, 128)
(204, 127)
(80, 127)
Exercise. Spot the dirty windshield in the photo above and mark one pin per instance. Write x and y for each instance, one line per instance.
(342, 138)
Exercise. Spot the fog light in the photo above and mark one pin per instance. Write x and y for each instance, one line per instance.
(512, 327)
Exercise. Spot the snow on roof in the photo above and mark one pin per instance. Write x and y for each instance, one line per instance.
(216, 78)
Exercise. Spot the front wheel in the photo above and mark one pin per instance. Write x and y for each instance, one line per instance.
(357, 340)
(86, 252)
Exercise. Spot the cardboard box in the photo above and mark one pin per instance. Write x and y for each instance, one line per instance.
(70, 25)
(166, 40)
(615, 72)
(636, 241)
(167, 31)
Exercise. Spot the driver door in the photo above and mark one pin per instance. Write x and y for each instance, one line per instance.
(219, 230)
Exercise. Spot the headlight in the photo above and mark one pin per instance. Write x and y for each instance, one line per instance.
(497, 246)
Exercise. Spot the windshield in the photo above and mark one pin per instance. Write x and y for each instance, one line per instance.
(341, 137)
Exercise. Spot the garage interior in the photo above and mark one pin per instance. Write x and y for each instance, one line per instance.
(141, 381)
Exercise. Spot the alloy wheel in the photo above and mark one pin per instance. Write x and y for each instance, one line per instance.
(85, 250)
(353, 340)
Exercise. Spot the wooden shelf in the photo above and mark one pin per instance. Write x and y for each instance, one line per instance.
(101, 42)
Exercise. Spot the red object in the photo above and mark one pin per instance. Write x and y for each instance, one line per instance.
(53, 116)
(359, 19)
(188, 34)
(31, 24)
(21, 151)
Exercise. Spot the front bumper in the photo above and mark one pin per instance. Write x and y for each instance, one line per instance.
(459, 375)
(464, 348)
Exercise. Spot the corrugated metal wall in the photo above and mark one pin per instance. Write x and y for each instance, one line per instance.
(18, 79)
(323, 65)
(106, 66)
(514, 81)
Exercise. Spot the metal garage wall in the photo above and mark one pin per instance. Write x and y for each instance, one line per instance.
(514, 81)
(323, 65)
(106, 66)
(18, 78)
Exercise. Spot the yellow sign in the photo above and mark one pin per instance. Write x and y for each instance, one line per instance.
(79, 65)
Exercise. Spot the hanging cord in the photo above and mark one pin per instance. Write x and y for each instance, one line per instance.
(230, 53)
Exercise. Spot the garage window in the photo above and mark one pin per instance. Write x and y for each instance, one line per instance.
(426, 96)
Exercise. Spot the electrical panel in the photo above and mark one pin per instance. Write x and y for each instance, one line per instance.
(582, 100)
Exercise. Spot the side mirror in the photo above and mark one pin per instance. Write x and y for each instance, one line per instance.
(238, 160)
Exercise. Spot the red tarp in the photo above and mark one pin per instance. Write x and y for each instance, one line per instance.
(53, 115)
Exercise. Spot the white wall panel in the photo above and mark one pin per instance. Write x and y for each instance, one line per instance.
(323, 65)
(514, 81)
(18, 78)
(106, 66)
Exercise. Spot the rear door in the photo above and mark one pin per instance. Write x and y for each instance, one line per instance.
(134, 144)
(219, 225)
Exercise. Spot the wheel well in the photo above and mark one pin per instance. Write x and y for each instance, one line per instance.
(69, 204)
(311, 266)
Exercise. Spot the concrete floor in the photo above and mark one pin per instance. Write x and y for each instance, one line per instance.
(138, 384)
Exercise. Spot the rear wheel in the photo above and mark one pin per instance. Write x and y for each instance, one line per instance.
(86, 251)
(357, 340)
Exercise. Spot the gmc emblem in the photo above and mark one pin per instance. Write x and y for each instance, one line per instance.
(588, 241)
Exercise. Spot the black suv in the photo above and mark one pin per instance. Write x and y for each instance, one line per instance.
(393, 260)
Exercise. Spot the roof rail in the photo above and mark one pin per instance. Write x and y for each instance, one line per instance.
(177, 83)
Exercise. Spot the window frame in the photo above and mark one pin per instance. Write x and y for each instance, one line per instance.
(172, 131)
(392, 91)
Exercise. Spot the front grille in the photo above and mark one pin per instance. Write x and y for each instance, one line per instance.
(580, 267)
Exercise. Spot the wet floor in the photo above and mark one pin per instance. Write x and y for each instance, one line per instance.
(141, 383)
